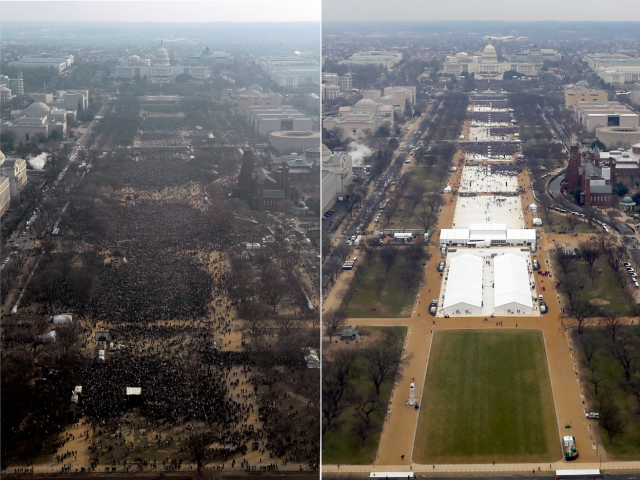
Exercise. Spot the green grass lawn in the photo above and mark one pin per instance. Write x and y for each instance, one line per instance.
(340, 444)
(487, 397)
(558, 223)
(421, 175)
(366, 304)
(626, 446)
(604, 291)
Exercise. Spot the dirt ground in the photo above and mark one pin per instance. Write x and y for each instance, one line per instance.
(396, 443)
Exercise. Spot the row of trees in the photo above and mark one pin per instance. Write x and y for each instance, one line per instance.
(352, 380)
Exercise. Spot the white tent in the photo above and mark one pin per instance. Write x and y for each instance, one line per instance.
(134, 390)
(537, 222)
(512, 291)
(533, 207)
(447, 189)
(48, 337)
(463, 295)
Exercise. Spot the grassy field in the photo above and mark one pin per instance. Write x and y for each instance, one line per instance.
(340, 445)
(604, 291)
(366, 304)
(626, 446)
(487, 397)
(558, 223)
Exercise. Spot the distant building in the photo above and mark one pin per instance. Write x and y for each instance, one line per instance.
(614, 68)
(13, 174)
(337, 175)
(573, 94)
(396, 97)
(294, 141)
(536, 56)
(290, 71)
(36, 120)
(361, 120)
(374, 57)
(486, 65)
(607, 114)
(208, 59)
(65, 99)
(301, 167)
(158, 69)
(16, 85)
(618, 137)
(344, 82)
(255, 97)
(591, 175)
(5, 95)
(44, 60)
(263, 189)
(265, 119)
(330, 92)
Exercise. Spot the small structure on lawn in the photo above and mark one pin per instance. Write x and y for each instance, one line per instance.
(627, 204)
(349, 334)
(537, 222)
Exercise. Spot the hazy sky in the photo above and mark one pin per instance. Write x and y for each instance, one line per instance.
(163, 11)
(510, 10)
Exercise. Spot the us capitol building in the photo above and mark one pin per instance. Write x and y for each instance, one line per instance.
(158, 69)
(485, 66)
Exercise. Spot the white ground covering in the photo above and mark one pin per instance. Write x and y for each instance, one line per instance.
(481, 179)
(481, 133)
(488, 276)
(489, 209)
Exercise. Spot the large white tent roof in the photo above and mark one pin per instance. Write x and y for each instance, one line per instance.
(511, 280)
(464, 284)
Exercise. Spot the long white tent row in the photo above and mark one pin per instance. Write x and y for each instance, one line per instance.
(486, 235)
(463, 295)
(512, 290)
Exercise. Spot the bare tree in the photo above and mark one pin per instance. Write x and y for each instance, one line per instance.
(624, 351)
(410, 276)
(388, 255)
(342, 252)
(581, 311)
(590, 252)
(336, 387)
(610, 420)
(566, 262)
(612, 322)
(590, 344)
(332, 322)
(198, 446)
(571, 285)
(384, 358)
(572, 221)
(348, 292)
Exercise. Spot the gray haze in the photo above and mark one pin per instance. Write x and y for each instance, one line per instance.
(151, 11)
(496, 10)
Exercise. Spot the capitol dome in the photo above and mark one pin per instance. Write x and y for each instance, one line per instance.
(366, 103)
(255, 87)
(489, 54)
(37, 108)
(161, 58)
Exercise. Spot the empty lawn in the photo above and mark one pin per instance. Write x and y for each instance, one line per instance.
(487, 397)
